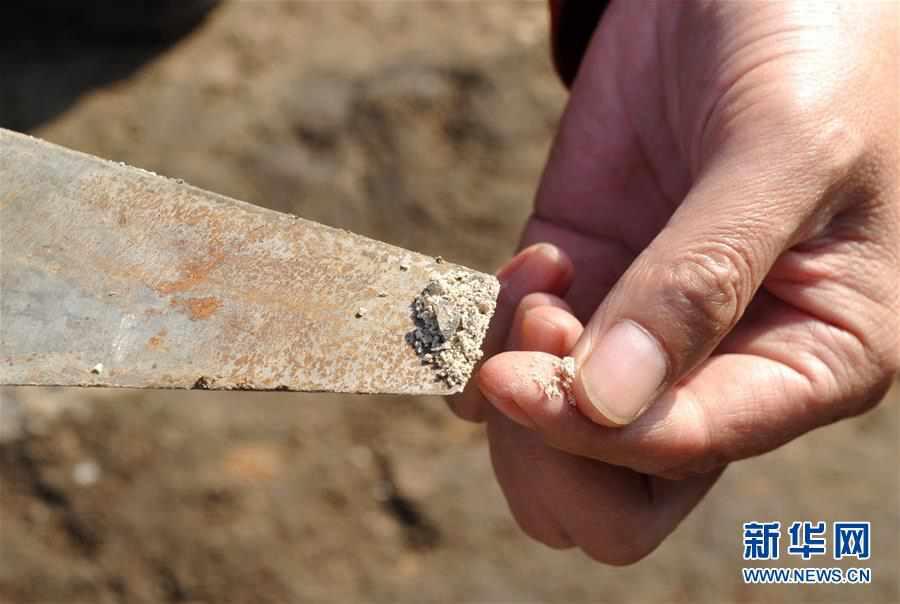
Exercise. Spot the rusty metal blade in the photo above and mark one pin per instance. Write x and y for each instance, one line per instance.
(115, 276)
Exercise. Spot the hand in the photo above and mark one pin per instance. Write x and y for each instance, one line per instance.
(725, 182)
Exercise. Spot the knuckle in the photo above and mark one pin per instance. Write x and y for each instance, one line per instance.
(874, 395)
(536, 300)
(546, 316)
(693, 448)
(556, 541)
(849, 171)
(542, 531)
(623, 549)
(826, 138)
(834, 159)
(838, 149)
(831, 145)
(864, 368)
(709, 288)
(688, 447)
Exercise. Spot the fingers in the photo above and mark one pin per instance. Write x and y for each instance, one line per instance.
(515, 454)
(665, 439)
(782, 374)
(541, 267)
(598, 262)
(542, 323)
(735, 211)
(513, 383)
(686, 290)
(733, 406)
(614, 515)
(557, 498)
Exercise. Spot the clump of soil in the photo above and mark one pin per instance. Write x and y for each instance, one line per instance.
(559, 384)
(452, 315)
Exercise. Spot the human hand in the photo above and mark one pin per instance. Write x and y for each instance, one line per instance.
(725, 182)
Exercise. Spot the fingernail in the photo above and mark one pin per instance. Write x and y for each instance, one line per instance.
(623, 372)
(523, 274)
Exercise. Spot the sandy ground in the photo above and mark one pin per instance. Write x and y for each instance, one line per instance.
(420, 123)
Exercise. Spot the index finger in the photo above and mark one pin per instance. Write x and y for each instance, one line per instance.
(541, 267)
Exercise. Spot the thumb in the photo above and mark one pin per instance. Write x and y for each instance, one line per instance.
(687, 289)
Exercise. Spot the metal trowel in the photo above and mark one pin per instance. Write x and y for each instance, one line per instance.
(114, 276)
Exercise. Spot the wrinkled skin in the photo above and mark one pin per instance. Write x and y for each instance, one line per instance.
(725, 178)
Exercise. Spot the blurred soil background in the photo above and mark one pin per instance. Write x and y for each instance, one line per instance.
(424, 124)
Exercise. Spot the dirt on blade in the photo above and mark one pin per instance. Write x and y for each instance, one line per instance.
(452, 315)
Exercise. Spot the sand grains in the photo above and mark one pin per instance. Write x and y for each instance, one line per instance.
(451, 316)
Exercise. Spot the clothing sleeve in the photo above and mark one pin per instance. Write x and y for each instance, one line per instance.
(572, 23)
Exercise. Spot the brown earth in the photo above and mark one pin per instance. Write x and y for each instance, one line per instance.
(424, 124)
